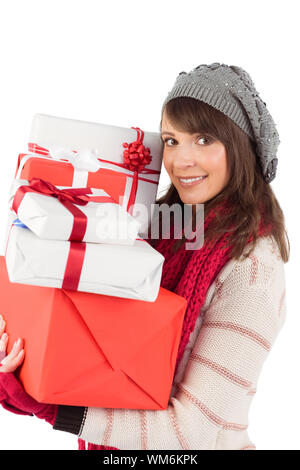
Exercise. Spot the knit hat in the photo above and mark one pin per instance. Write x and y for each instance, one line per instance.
(231, 90)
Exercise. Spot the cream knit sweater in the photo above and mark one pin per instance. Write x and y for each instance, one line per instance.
(217, 377)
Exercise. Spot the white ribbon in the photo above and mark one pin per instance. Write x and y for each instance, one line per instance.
(82, 160)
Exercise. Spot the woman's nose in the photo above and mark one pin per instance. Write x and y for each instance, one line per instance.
(184, 161)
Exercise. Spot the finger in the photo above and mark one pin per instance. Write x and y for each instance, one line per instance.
(18, 359)
(12, 365)
(3, 345)
(2, 355)
(17, 346)
(3, 341)
(2, 325)
(12, 360)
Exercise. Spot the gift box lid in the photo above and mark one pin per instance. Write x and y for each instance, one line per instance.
(107, 139)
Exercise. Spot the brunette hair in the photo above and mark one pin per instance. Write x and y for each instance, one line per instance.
(246, 190)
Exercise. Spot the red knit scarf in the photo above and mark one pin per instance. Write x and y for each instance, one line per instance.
(190, 273)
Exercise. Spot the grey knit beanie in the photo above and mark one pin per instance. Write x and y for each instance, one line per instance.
(231, 90)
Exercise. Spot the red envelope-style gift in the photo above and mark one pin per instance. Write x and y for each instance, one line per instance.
(88, 349)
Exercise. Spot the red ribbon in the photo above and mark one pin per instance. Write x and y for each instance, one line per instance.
(68, 197)
(74, 266)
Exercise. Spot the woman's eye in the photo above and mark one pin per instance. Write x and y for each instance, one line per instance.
(200, 137)
(205, 138)
(166, 140)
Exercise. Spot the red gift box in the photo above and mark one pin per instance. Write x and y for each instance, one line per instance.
(88, 349)
(61, 173)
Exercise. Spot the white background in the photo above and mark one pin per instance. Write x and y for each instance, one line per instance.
(114, 62)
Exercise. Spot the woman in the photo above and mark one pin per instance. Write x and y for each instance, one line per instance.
(220, 146)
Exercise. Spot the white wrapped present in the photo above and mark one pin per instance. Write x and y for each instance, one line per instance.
(133, 272)
(50, 214)
(125, 162)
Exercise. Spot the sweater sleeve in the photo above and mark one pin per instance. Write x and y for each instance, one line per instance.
(210, 407)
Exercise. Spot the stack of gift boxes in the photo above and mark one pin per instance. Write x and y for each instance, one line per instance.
(79, 283)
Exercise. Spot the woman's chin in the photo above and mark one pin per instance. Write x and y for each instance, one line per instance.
(191, 199)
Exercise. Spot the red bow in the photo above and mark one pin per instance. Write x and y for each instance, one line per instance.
(73, 195)
(68, 197)
(137, 156)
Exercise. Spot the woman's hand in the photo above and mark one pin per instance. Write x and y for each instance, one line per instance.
(10, 362)
(13, 397)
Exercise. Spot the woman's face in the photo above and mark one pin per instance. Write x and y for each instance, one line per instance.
(186, 157)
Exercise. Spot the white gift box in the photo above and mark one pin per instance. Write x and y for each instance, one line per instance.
(47, 217)
(49, 132)
(133, 272)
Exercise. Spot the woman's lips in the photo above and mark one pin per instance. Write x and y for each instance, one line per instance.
(193, 183)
